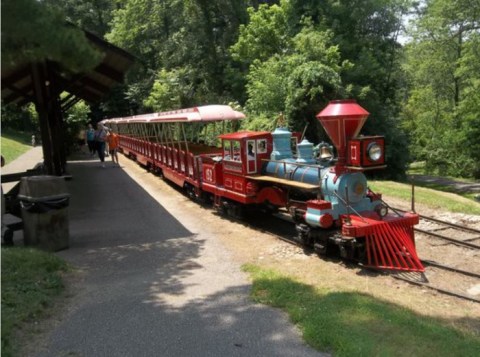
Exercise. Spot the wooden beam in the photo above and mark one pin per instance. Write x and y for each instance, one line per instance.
(66, 99)
(85, 94)
(94, 84)
(110, 72)
(19, 93)
(15, 77)
(66, 106)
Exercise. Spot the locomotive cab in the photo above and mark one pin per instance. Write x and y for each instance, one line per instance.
(244, 152)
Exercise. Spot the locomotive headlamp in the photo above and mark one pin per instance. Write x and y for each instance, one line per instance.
(366, 152)
(374, 152)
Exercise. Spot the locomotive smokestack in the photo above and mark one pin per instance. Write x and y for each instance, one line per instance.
(342, 120)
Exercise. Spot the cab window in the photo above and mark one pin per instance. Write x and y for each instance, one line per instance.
(236, 151)
(231, 150)
(262, 146)
(227, 150)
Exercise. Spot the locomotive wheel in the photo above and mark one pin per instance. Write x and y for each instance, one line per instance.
(231, 209)
(268, 208)
(304, 235)
(320, 249)
(235, 210)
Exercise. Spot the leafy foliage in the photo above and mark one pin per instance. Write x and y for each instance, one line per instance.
(299, 55)
(171, 89)
(264, 36)
(185, 41)
(76, 119)
(90, 15)
(20, 118)
(283, 56)
(441, 111)
(32, 31)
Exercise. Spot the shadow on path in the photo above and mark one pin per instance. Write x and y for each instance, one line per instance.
(143, 290)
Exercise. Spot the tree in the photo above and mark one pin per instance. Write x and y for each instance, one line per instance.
(90, 15)
(171, 89)
(180, 37)
(287, 74)
(265, 35)
(76, 119)
(298, 55)
(443, 103)
(23, 119)
(32, 32)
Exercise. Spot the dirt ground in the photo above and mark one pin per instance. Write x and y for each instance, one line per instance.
(263, 249)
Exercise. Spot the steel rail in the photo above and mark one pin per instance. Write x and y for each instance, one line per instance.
(452, 240)
(310, 250)
(467, 229)
(427, 262)
(441, 290)
(307, 249)
(449, 268)
(453, 225)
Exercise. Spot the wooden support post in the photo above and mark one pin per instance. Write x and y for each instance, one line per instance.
(50, 117)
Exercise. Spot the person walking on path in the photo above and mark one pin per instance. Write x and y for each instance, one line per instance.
(100, 138)
(112, 140)
(90, 138)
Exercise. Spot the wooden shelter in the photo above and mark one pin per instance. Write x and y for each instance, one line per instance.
(42, 83)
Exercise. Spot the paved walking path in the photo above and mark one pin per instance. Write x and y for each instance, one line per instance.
(153, 285)
(457, 186)
(24, 162)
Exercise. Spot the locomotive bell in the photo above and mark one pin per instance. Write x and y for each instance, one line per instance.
(325, 153)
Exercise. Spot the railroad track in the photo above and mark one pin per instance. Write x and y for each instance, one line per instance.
(420, 279)
(439, 231)
(470, 242)
(280, 227)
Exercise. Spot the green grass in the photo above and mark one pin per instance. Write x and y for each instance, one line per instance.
(31, 279)
(355, 324)
(14, 144)
(426, 196)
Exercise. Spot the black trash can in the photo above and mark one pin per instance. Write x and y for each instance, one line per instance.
(44, 201)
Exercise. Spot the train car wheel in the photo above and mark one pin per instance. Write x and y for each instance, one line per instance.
(190, 190)
(239, 211)
(159, 173)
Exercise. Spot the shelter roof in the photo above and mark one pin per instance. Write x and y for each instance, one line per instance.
(207, 113)
(18, 85)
